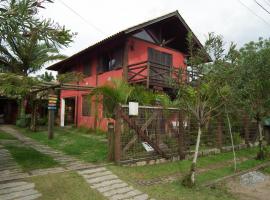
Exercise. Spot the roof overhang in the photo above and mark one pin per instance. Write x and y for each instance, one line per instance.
(125, 33)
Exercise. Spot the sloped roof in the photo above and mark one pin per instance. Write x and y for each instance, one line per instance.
(126, 32)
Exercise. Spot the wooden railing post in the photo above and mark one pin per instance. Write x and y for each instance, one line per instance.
(181, 142)
(148, 75)
(111, 141)
(117, 136)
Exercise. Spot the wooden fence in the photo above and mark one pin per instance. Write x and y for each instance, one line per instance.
(164, 133)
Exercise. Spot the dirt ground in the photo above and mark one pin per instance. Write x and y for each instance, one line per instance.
(259, 191)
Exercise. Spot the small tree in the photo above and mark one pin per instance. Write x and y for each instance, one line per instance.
(199, 97)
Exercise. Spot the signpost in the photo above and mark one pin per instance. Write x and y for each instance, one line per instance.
(51, 109)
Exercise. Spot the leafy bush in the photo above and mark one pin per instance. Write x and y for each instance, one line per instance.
(24, 122)
(237, 138)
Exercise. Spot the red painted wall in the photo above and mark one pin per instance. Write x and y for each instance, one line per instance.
(137, 52)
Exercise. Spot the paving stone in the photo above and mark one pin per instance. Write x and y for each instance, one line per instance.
(9, 178)
(101, 179)
(126, 195)
(98, 174)
(18, 194)
(30, 197)
(106, 183)
(112, 187)
(13, 184)
(91, 171)
(118, 191)
(140, 197)
(17, 188)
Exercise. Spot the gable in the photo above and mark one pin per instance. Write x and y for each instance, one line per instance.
(168, 31)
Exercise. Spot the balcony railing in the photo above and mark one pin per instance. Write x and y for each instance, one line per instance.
(151, 74)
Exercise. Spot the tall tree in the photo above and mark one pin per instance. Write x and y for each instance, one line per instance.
(27, 41)
(253, 83)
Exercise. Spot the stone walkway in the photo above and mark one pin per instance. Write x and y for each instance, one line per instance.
(98, 177)
(18, 191)
(9, 170)
(10, 173)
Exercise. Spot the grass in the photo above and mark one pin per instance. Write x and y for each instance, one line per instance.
(88, 146)
(266, 170)
(153, 171)
(175, 191)
(30, 159)
(6, 136)
(212, 168)
(64, 186)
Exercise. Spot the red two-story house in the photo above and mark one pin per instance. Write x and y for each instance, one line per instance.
(143, 54)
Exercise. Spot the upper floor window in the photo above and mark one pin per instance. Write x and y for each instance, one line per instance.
(144, 36)
(86, 69)
(111, 60)
(159, 57)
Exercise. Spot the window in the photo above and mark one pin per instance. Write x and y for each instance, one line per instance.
(86, 105)
(144, 36)
(111, 60)
(86, 69)
(159, 57)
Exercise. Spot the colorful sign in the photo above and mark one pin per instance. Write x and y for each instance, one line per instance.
(52, 102)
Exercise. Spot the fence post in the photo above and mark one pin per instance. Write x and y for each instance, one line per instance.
(219, 132)
(117, 136)
(246, 129)
(111, 141)
(181, 143)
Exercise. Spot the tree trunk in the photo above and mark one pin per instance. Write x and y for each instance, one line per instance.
(230, 130)
(22, 108)
(219, 132)
(246, 129)
(260, 155)
(33, 125)
(189, 181)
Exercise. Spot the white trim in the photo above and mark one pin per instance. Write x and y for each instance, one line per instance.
(62, 115)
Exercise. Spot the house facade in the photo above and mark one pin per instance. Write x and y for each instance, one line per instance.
(144, 54)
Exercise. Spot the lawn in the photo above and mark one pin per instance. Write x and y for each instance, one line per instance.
(81, 143)
(209, 168)
(6, 136)
(30, 159)
(64, 186)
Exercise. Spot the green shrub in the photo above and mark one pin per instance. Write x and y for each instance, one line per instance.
(237, 138)
(24, 122)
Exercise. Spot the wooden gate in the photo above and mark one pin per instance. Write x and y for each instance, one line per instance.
(155, 132)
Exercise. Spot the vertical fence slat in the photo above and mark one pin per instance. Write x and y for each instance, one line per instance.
(111, 141)
(117, 137)
(181, 143)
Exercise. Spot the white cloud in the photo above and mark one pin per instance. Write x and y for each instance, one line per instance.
(228, 18)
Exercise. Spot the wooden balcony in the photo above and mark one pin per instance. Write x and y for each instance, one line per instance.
(151, 74)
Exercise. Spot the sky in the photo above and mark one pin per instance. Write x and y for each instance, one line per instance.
(239, 21)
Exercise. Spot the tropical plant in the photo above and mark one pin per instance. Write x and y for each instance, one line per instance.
(27, 41)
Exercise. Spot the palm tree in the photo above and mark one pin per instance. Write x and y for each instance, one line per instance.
(28, 42)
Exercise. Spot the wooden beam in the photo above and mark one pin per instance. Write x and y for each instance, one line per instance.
(141, 133)
(125, 61)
